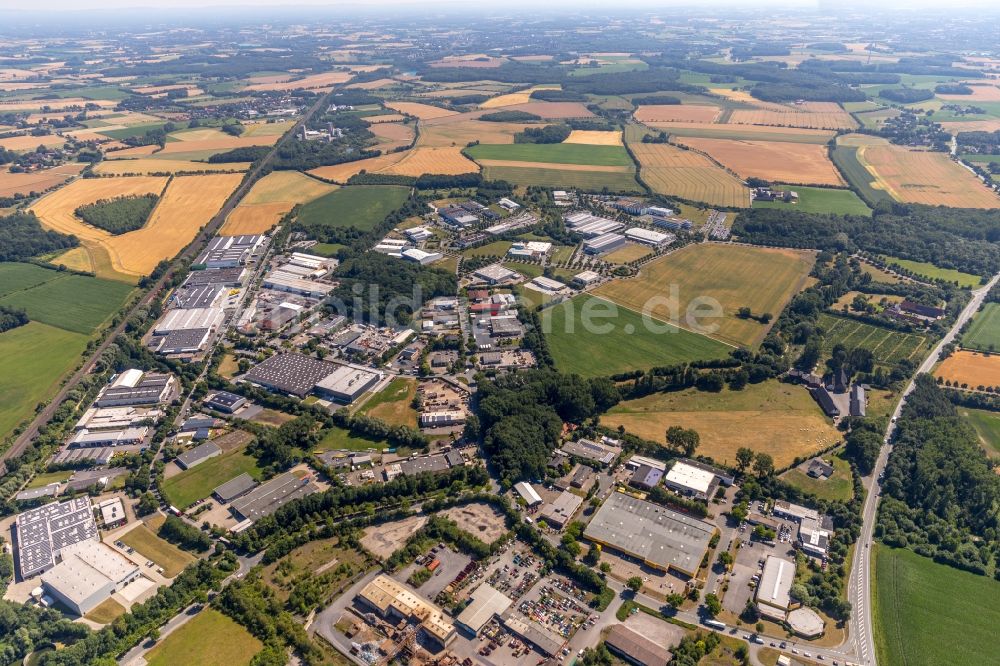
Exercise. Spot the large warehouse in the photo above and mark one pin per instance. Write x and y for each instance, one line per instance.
(44, 532)
(135, 387)
(394, 600)
(347, 383)
(267, 498)
(486, 603)
(296, 374)
(88, 574)
(774, 591)
(661, 538)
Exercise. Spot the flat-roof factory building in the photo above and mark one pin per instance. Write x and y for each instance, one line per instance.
(691, 481)
(296, 374)
(559, 512)
(527, 493)
(88, 574)
(590, 450)
(234, 488)
(293, 284)
(347, 383)
(636, 648)
(603, 243)
(487, 602)
(496, 274)
(134, 387)
(394, 600)
(44, 532)
(647, 237)
(272, 495)
(230, 251)
(198, 455)
(663, 539)
(773, 594)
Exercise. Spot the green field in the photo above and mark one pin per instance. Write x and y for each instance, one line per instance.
(846, 160)
(984, 332)
(36, 356)
(74, 302)
(820, 200)
(393, 404)
(337, 438)
(210, 639)
(627, 345)
(837, 487)
(554, 153)
(609, 68)
(359, 206)
(530, 271)
(932, 272)
(127, 132)
(18, 277)
(987, 426)
(887, 345)
(326, 249)
(198, 482)
(590, 181)
(162, 553)
(44, 479)
(927, 613)
(495, 249)
(982, 159)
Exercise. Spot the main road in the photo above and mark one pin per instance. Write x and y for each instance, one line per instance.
(859, 584)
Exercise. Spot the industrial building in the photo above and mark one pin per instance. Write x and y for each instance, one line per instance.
(529, 249)
(234, 488)
(773, 594)
(135, 387)
(589, 450)
(112, 513)
(44, 532)
(691, 481)
(421, 257)
(229, 277)
(561, 510)
(93, 456)
(224, 401)
(794, 512)
(646, 477)
(636, 648)
(346, 383)
(199, 296)
(32, 494)
(547, 285)
(182, 342)
(439, 462)
(395, 601)
(647, 237)
(586, 278)
(230, 251)
(291, 373)
(442, 419)
(418, 234)
(88, 574)
(527, 493)
(198, 455)
(496, 274)
(663, 539)
(486, 603)
(604, 243)
(590, 226)
(185, 320)
(293, 284)
(814, 535)
(116, 418)
(268, 497)
(126, 437)
(545, 641)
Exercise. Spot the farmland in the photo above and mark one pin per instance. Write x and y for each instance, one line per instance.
(629, 344)
(972, 369)
(578, 178)
(340, 173)
(797, 163)
(462, 133)
(762, 279)
(418, 110)
(923, 177)
(75, 303)
(887, 345)
(910, 627)
(232, 645)
(359, 206)
(984, 333)
(820, 200)
(932, 272)
(198, 482)
(810, 115)
(418, 161)
(748, 132)
(771, 417)
(270, 198)
(393, 403)
(683, 173)
(557, 153)
(153, 165)
(595, 138)
(12, 184)
(987, 427)
(687, 113)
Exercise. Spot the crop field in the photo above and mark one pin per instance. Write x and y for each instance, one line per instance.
(76, 303)
(981, 92)
(745, 132)
(37, 356)
(779, 419)
(971, 368)
(418, 110)
(595, 138)
(887, 345)
(846, 158)
(12, 184)
(742, 97)
(462, 133)
(393, 403)
(798, 163)
(359, 206)
(627, 344)
(152, 165)
(416, 162)
(510, 99)
(588, 179)
(984, 333)
(29, 142)
(820, 200)
(911, 625)
(270, 198)
(288, 82)
(393, 135)
(217, 144)
(341, 173)
(557, 153)
(930, 271)
(197, 483)
(553, 110)
(734, 276)
(684, 113)
(923, 177)
(987, 427)
(813, 115)
(231, 644)
(670, 170)
(266, 128)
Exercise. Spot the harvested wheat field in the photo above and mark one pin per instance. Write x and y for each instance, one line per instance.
(393, 135)
(417, 110)
(743, 97)
(971, 126)
(339, 173)
(553, 110)
(218, 144)
(132, 152)
(445, 161)
(981, 92)
(305, 83)
(267, 129)
(141, 167)
(793, 163)
(970, 368)
(595, 138)
(923, 177)
(153, 90)
(670, 170)
(752, 132)
(55, 104)
(12, 184)
(29, 142)
(270, 198)
(687, 113)
(816, 115)
(596, 168)
(510, 99)
(385, 118)
(861, 140)
(372, 85)
(461, 133)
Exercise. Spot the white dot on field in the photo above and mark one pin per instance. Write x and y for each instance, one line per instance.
(629, 329)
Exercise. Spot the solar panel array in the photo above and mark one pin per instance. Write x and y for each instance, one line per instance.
(43, 532)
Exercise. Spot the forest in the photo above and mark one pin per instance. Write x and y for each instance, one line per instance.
(510, 117)
(24, 237)
(244, 154)
(11, 318)
(906, 95)
(119, 215)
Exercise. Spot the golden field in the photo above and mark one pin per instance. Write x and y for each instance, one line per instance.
(594, 138)
(793, 163)
(972, 368)
(36, 181)
(923, 177)
(150, 166)
(689, 175)
(270, 198)
(686, 113)
(421, 111)
(446, 161)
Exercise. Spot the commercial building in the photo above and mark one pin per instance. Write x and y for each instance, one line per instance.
(545, 641)
(198, 455)
(604, 243)
(117, 418)
(436, 463)
(92, 456)
(647, 237)
(291, 373)
(646, 477)
(88, 574)
(486, 603)
(672, 223)
(199, 296)
(272, 495)
(347, 383)
(496, 274)
(590, 226)
(134, 387)
(589, 450)
(293, 284)
(126, 437)
(234, 488)
(636, 648)
(421, 257)
(547, 285)
(529, 249)
(527, 493)
(224, 401)
(794, 512)
(691, 481)
(181, 342)
(561, 510)
(230, 251)
(635, 462)
(229, 277)
(395, 601)
(418, 234)
(112, 513)
(185, 320)
(44, 532)
(663, 539)
(31, 494)
(814, 535)
(442, 419)
(773, 594)
(586, 278)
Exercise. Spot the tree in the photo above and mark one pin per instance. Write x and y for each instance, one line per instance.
(712, 605)
(683, 440)
(725, 558)
(674, 600)
(634, 583)
(763, 465)
(744, 458)
(744, 313)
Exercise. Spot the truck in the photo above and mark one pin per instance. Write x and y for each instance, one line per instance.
(715, 624)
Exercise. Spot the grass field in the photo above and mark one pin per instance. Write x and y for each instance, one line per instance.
(337, 438)
(670, 170)
(105, 612)
(629, 344)
(734, 276)
(799, 163)
(628, 252)
(984, 333)
(44, 479)
(987, 426)
(326, 249)
(164, 554)
(494, 249)
(37, 356)
(846, 159)
(970, 368)
(76, 303)
(231, 644)
(359, 206)
(820, 200)
(927, 613)
(887, 345)
(198, 482)
(591, 181)
(837, 487)
(932, 272)
(393, 403)
(557, 153)
(771, 417)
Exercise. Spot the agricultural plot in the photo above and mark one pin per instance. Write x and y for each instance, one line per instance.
(392, 135)
(197, 483)
(578, 178)
(987, 427)
(419, 161)
(393, 404)
(820, 200)
(813, 115)
(510, 99)
(359, 206)
(932, 272)
(923, 177)
(217, 144)
(289, 82)
(971, 369)
(231, 644)
(744, 132)
(418, 110)
(731, 276)
(341, 173)
(29, 142)
(153, 165)
(595, 138)
(674, 171)
(887, 345)
(984, 333)
(911, 628)
(685, 113)
(462, 133)
(12, 184)
(553, 110)
(798, 163)
(270, 198)
(619, 340)
(846, 158)
(779, 419)
(553, 153)
(76, 303)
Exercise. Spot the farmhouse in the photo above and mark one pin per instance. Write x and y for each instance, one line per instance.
(691, 481)
(198, 455)
(820, 469)
(395, 601)
(647, 237)
(859, 405)
(924, 313)
(486, 603)
(773, 595)
(825, 400)
(663, 539)
(88, 574)
(347, 383)
(604, 243)
(561, 510)
(44, 532)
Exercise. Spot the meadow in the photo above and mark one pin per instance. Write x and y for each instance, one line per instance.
(820, 200)
(927, 613)
(762, 279)
(359, 206)
(987, 427)
(163, 553)
(335, 439)
(629, 345)
(76, 303)
(984, 333)
(932, 272)
(197, 483)
(779, 419)
(593, 181)
(554, 153)
(393, 403)
(846, 159)
(887, 345)
(231, 644)
(838, 487)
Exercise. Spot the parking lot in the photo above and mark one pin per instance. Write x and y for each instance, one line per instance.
(450, 564)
